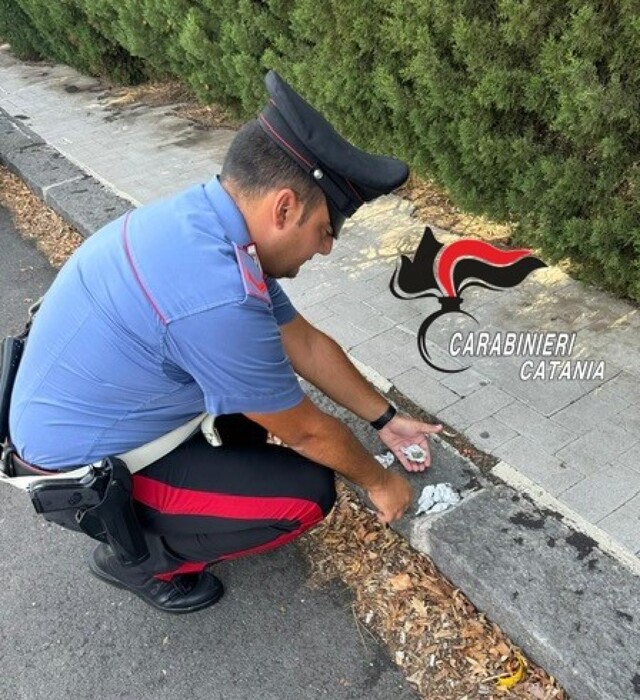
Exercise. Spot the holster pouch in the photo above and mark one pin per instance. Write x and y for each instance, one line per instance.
(10, 354)
(99, 504)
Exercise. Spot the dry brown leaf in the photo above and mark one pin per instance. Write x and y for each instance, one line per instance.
(419, 606)
(472, 629)
(400, 582)
(535, 692)
(503, 649)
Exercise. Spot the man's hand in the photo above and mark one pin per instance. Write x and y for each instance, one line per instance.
(391, 497)
(403, 431)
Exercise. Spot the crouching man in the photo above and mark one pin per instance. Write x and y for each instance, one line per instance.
(174, 310)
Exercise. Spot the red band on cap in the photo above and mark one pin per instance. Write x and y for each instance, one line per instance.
(355, 191)
(286, 143)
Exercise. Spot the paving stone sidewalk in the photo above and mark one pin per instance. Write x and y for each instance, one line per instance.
(570, 445)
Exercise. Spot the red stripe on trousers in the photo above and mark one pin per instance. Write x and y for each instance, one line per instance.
(191, 567)
(176, 501)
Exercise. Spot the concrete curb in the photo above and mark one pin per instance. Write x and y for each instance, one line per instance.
(572, 607)
(80, 199)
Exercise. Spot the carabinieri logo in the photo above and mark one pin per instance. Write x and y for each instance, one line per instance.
(445, 271)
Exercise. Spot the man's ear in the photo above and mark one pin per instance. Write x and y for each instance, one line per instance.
(285, 208)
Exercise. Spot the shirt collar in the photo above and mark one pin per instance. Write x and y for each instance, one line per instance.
(227, 210)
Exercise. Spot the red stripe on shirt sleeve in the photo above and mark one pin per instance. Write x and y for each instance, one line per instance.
(134, 269)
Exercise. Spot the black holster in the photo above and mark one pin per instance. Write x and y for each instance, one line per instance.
(99, 504)
(10, 354)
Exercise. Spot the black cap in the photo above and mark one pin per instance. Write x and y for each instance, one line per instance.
(348, 176)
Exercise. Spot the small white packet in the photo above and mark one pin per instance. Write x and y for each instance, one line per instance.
(437, 497)
(386, 460)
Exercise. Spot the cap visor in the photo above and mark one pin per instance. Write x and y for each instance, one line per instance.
(336, 217)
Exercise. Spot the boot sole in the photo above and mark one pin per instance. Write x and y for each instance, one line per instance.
(104, 576)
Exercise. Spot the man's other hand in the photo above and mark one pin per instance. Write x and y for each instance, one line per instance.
(391, 497)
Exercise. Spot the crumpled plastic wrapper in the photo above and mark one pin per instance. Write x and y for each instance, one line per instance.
(415, 453)
(386, 459)
(437, 497)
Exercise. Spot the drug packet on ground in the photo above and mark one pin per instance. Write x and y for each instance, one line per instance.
(386, 459)
(437, 497)
(415, 453)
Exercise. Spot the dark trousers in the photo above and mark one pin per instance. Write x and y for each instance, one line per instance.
(201, 504)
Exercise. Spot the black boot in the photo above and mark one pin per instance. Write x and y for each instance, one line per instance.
(184, 593)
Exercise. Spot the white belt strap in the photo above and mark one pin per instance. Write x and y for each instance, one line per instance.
(143, 456)
(24, 482)
(135, 459)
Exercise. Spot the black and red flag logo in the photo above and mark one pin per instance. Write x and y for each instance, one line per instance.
(445, 271)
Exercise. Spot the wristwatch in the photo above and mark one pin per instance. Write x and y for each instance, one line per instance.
(379, 423)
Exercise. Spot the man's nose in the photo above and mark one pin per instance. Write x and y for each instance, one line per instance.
(327, 245)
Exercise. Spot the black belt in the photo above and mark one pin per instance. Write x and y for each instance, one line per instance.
(14, 465)
(21, 468)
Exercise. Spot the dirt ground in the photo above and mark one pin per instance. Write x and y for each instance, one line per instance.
(447, 649)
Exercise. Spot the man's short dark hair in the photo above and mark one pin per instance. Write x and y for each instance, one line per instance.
(256, 165)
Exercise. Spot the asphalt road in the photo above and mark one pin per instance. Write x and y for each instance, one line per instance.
(64, 634)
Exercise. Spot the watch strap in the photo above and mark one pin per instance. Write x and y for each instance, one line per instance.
(388, 415)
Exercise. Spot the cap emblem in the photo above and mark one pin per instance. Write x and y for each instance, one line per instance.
(318, 174)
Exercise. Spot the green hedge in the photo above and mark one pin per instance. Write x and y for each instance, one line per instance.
(18, 30)
(61, 30)
(523, 110)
